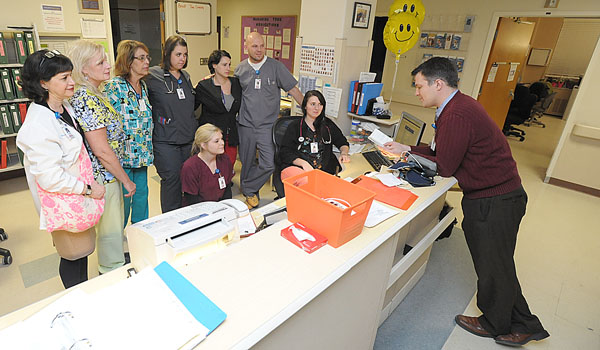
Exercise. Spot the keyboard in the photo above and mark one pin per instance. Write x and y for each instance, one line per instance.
(376, 159)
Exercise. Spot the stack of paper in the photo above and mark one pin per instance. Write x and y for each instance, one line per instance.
(155, 309)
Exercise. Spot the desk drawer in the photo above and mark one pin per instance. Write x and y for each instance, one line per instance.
(424, 222)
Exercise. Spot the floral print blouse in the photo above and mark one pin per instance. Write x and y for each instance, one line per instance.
(136, 115)
(93, 112)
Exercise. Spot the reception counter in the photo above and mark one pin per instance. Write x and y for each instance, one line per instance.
(277, 296)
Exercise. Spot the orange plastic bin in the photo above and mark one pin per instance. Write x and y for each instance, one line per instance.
(306, 204)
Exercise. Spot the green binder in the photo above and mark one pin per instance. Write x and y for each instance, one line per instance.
(3, 54)
(13, 109)
(9, 92)
(2, 97)
(21, 46)
(5, 120)
(16, 77)
(30, 41)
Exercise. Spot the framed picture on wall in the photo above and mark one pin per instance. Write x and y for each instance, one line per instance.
(360, 17)
(90, 7)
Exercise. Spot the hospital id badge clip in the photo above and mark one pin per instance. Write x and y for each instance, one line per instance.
(314, 147)
(257, 84)
(180, 94)
(222, 183)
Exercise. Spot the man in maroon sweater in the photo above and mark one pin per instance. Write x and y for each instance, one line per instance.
(469, 146)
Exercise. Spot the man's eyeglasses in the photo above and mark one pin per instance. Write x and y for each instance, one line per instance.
(49, 55)
(143, 58)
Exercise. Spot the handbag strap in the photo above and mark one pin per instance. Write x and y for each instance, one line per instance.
(86, 173)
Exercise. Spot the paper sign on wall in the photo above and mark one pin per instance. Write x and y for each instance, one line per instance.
(512, 71)
(492, 74)
(53, 18)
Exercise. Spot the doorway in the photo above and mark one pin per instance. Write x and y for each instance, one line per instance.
(543, 71)
(138, 20)
(379, 50)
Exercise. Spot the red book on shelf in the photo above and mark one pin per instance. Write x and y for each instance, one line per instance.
(23, 111)
(4, 152)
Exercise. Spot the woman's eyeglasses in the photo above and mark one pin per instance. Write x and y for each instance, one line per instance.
(49, 55)
(143, 58)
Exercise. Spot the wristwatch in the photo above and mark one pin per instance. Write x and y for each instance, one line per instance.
(88, 190)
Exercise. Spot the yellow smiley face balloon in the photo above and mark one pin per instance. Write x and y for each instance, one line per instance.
(401, 33)
(414, 7)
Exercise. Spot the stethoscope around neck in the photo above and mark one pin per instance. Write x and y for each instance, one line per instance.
(167, 74)
(301, 138)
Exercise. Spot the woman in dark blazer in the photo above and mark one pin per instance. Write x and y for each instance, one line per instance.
(220, 97)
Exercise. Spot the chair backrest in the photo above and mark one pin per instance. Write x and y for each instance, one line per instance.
(548, 101)
(540, 89)
(279, 128)
(522, 103)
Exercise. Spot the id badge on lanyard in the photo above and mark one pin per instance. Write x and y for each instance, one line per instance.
(314, 147)
(142, 104)
(222, 183)
(257, 82)
(180, 93)
(432, 144)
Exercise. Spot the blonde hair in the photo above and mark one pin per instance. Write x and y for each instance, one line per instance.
(125, 56)
(80, 53)
(203, 135)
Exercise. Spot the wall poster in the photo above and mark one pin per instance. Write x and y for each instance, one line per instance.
(317, 60)
(279, 33)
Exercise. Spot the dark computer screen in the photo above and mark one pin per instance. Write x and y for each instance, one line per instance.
(410, 130)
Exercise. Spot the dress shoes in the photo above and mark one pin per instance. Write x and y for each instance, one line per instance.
(472, 325)
(518, 339)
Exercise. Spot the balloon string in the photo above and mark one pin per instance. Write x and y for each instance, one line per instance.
(394, 82)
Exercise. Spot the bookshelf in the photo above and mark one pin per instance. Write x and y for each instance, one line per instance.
(444, 36)
(12, 103)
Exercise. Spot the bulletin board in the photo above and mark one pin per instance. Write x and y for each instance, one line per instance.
(193, 17)
(279, 33)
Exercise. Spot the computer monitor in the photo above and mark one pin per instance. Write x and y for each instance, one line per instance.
(410, 130)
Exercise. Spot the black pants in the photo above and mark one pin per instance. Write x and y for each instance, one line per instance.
(73, 272)
(168, 160)
(491, 226)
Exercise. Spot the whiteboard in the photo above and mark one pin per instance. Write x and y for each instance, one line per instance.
(193, 17)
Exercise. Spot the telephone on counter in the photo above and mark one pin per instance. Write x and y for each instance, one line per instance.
(241, 209)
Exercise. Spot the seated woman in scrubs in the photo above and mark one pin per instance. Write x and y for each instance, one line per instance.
(308, 144)
(207, 174)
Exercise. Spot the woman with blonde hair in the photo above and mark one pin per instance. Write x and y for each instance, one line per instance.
(207, 174)
(128, 94)
(104, 138)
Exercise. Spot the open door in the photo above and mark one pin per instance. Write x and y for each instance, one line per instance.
(511, 45)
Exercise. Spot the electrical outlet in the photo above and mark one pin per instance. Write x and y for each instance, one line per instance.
(203, 61)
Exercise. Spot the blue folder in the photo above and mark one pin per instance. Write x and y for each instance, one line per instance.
(204, 310)
(369, 91)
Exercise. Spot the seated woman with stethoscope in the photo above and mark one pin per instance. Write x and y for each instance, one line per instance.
(308, 144)
(207, 174)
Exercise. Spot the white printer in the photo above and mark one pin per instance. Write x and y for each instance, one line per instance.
(185, 234)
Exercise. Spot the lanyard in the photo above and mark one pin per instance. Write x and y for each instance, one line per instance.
(301, 138)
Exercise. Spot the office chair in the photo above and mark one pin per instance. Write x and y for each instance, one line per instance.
(6, 258)
(519, 111)
(539, 109)
(279, 128)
